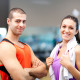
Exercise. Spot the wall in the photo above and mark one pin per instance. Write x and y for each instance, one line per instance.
(4, 8)
(46, 12)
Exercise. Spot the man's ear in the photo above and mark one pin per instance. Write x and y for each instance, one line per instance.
(8, 21)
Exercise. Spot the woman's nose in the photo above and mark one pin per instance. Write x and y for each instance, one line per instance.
(67, 30)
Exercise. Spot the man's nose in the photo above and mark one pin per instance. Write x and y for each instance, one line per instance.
(21, 24)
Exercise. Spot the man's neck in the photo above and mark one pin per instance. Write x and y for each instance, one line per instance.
(12, 38)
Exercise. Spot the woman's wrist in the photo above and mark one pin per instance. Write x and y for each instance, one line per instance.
(69, 66)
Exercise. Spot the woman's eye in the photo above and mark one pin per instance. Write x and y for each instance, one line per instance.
(71, 27)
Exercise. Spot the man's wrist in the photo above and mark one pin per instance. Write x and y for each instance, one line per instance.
(47, 67)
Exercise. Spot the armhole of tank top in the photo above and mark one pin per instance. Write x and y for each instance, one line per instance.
(25, 45)
(22, 42)
(6, 40)
(28, 47)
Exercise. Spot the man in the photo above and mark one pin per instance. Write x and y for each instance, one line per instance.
(17, 60)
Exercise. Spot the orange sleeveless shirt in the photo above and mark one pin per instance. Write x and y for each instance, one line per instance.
(22, 54)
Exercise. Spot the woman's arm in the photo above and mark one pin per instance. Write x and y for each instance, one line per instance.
(65, 61)
(49, 61)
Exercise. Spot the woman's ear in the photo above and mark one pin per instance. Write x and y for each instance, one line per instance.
(76, 32)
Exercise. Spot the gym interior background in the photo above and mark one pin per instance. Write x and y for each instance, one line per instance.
(43, 22)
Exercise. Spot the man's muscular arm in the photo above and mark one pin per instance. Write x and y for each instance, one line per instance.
(10, 62)
(38, 69)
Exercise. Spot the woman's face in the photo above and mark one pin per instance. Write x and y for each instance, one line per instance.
(68, 29)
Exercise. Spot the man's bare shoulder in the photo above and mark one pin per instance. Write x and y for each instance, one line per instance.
(6, 48)
(6, 45)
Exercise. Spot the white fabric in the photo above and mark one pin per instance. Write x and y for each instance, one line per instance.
(64, 74)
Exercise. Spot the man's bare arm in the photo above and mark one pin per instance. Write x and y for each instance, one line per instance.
(9, 60)
(38, 69)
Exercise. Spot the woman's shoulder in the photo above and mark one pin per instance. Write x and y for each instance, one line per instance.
(77, 49)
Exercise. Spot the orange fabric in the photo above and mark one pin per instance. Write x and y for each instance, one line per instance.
(24, 57)
(4, 76)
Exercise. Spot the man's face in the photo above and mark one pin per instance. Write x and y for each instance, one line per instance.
(17, 24)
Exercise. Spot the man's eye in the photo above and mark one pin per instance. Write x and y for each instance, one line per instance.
(18, 21)
(63, 26)
(24, 21)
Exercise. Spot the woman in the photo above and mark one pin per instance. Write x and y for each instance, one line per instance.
(65, 57)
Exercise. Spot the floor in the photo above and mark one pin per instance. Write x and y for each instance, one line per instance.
(46, 78)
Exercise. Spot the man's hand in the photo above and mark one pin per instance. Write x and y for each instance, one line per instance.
(29, 77)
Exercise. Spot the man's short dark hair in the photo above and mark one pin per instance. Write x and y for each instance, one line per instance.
(18, 10)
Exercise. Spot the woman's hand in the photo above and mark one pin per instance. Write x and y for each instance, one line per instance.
(49, 61)
(65, 60)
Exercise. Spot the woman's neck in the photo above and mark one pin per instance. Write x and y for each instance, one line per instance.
(64, 43)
